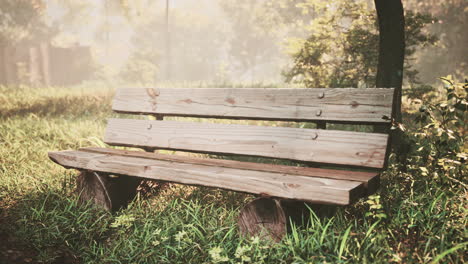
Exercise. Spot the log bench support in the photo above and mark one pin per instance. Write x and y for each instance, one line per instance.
(110, 192)
(263, 217)
(346, 164)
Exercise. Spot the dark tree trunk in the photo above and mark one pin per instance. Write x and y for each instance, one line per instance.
(391, 19)
(391, 49)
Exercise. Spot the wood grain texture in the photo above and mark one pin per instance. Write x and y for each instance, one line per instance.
(315, 145)
(110, 193)
(263, 217)
(369, 179)
(370, 105)
(319, 190)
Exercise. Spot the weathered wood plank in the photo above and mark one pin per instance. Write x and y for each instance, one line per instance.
(320, 190)
(369, 179)
(315, 145)
(370, 105)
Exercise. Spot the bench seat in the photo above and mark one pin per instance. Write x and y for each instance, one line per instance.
(318, 185)
(347, 160)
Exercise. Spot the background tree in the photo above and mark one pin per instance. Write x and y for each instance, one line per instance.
(449, 55)
(197, 42)
(343, 45)
(22, 22)
(21, 19)
(254, 34)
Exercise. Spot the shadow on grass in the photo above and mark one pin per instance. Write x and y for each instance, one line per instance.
(231, 200)
(49, 226)
(298, 213)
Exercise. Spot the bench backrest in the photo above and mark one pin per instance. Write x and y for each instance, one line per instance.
(341, 105)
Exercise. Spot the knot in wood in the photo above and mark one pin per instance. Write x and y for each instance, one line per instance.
(321, 95)
(314, 136)
(318, 113)
(153, 94)
(354, 104)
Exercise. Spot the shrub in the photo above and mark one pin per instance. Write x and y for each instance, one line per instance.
(439, 150)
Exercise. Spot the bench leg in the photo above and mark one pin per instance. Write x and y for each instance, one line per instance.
(109, 192)
(263, 217)
(270, 218)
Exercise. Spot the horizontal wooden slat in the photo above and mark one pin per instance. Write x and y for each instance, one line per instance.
(369, 179)
(323, 146)
(370, 105)
(320, 190)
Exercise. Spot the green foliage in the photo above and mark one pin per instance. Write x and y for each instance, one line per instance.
(60, 225)
(253, 32)
(420, 92)
(123, 221)
(330, 55)
(449, 55)
(416, 38)
(142, 68)
(375, 207)
(342, 47)
(440, 150)
(21, 20)
(196, 42)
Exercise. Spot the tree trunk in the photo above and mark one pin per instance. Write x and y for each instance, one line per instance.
(8, 64)
(34, 70)
(45, 63)
(2, 68)
(391, 49)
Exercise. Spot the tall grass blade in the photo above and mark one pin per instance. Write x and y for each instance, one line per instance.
(343, 242)
(448, 251)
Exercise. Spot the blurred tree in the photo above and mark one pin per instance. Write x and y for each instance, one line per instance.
(449, 55)
(254, 29)
(22, 24)
(142, 67)
(342, 47)
(73, 14)
(21, 19)
(197, 41)
(140, 71)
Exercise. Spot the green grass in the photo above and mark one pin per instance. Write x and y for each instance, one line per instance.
(425, 222)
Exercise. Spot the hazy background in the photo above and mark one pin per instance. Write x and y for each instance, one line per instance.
(65, 42)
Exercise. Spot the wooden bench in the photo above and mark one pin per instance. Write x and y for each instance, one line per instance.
(347, 164)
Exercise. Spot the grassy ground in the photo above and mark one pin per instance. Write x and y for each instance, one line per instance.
(411, 220)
